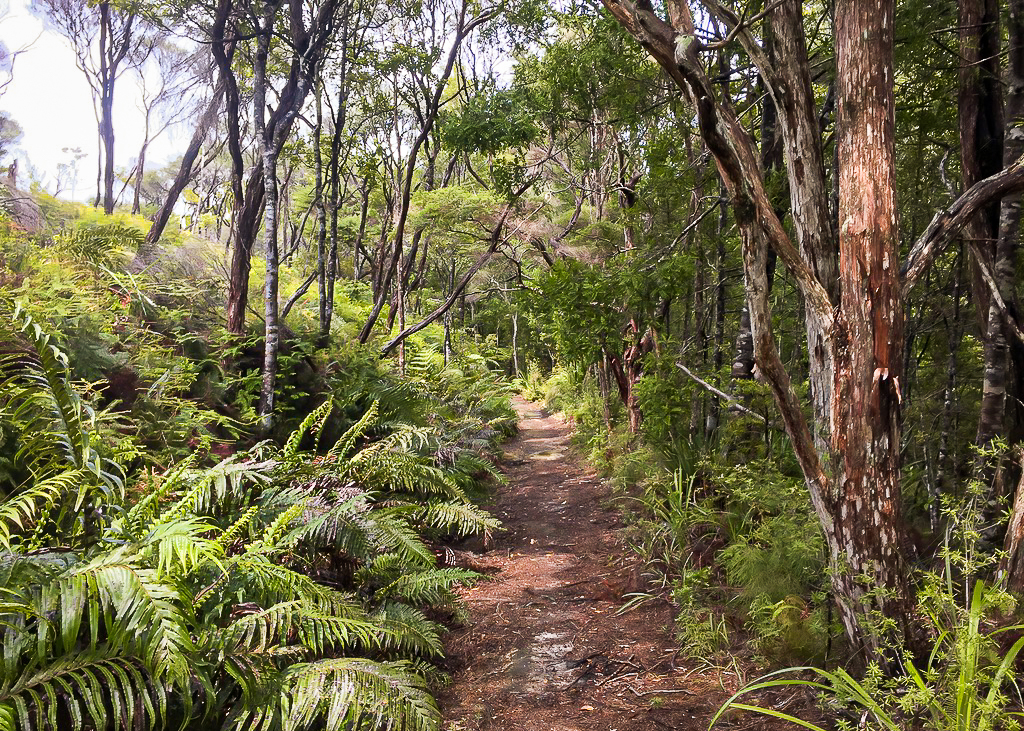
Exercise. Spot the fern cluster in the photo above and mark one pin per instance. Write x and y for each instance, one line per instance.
(284, 588)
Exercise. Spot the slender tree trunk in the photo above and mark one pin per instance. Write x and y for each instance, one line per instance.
(698, 400)
(981, 132)
(944, 462)
(718, 357)
(108, 75)
(321, 219)
(268, 151)
(515, 344)
(771, 163)
(1009, 237)
(448, 315)
(147, 251)
(1011, 568)
(140, 169)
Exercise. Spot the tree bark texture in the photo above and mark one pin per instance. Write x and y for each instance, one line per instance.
(1009, 238)
(866, 432)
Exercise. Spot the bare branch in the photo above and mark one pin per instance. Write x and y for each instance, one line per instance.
(949, 222)
(733, 403)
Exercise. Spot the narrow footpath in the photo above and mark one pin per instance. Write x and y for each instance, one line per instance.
(544, 648)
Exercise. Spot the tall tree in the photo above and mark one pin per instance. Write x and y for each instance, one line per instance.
(852, 294)
(107, 38)
(463, 23)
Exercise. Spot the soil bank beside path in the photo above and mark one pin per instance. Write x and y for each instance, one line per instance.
(543, 649)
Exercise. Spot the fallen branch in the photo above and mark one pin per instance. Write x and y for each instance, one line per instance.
(733, 403)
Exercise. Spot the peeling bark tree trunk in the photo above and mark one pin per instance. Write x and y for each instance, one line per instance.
(866, 432)
(849, 452)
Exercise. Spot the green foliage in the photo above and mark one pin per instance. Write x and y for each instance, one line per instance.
(68, 481)
(966, 681)
(491, 121)
(281, 588)
(961, 687)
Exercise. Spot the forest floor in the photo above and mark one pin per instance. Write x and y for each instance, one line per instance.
(545, 647)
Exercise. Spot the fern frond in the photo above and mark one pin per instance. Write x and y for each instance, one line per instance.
(314, 422)
(345, 526)
(100, 246)
(428, 587)
(268, 582)
(345, 693)
(181, 547)
(141, 612)
(96, 689)
(146, 509)
(407, 630)
(390, 532)
(347, 440)
(461, 519)
(22, 510)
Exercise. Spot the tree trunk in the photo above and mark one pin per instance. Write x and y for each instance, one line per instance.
(1009, 236)
(943, 459)
(244, 224)
(771, 163)
(981, 134)
(268, 151)
(140, 169)
(107, 75)
(147, 252)
(321, 220)
(866, 431)
(1012, 566)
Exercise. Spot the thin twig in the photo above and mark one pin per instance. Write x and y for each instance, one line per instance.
(733, 403)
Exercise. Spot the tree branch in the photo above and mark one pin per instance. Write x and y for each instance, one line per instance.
(733, 403)
(948, 223)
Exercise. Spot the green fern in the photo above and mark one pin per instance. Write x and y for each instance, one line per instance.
(343, 693)
(203, 596)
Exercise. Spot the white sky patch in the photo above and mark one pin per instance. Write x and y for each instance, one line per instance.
(49, 98)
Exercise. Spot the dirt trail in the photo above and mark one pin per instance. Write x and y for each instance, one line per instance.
(544, 649)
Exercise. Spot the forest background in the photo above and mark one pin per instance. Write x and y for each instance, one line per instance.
(765, 256)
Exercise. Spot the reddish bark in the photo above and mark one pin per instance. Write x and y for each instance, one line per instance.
(869, 359)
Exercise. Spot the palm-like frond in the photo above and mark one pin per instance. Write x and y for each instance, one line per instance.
(347, 440)
(461, 519)
(55, 425)
(102, 247)
(23, 509)
(84, 690)
(391, 532)
(206, 585)
(314, 422)
(428, 587)
(407, 630)
(343, 693)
